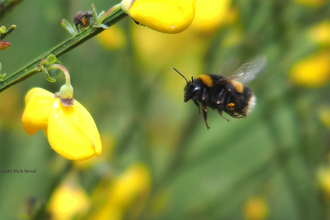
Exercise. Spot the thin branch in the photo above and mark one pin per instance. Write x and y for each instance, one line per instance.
(7, 6)
(59, 50)
(10, 29)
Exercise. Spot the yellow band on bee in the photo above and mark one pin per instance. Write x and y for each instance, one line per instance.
(206, 79)
(238, 86)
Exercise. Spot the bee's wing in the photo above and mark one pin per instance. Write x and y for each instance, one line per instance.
(228, 67)
(249, 69)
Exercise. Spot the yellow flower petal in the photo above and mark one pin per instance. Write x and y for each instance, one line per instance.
(38, 104)
(313, 71)
(210, 14)
(128, 191)
(320, 33)
(311, 3)
(37, 92)
(255, 209)
(324, 115)
(67, 201)
(167, 16)
(324, 180)
(72, 132)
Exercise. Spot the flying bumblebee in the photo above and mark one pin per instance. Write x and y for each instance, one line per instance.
(227, 94)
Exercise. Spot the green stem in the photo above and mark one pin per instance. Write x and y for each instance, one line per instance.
(110, 11)
(7, 6)
(64, 70)
(59, 50)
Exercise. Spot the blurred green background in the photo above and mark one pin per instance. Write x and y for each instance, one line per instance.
(159, 161)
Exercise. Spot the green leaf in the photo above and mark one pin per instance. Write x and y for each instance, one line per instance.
(94, 13)
(51, 59)
(54, 73)
(99, 18)
(102, 26)
(2, 76)
(67, 26)
(48, 77)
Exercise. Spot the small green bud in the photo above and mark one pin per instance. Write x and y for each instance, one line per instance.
(66, 92)
(2, 29)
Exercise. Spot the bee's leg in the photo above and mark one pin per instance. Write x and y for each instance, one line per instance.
(221, 97)
(238, 116)
(205, 116)
(196, 103)
(204, 94)
(220, 112)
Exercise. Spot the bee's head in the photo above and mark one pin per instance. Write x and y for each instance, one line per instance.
(190, 89)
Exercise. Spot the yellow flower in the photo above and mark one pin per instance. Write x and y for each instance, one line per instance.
(324, 115)
(320, 33)
(313, 72)
(211, 14)
(67, 201)
(324, 180)
(311, 3)
(167, 16)
(112, 38)
(71, 131)
(255, 209)
(128, 191)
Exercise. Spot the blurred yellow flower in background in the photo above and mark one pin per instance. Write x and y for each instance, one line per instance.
(68, 201)
(211, 14)
(312, 3)
(313, 71)
(255, 209)
(166, 16)
(324, 115)
(9, 107)
(112, 38)
(130, 190)
(320, 33)
(71, 131)
(324, 180)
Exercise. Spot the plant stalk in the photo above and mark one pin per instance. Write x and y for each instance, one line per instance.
(59, 50)
(7, 6)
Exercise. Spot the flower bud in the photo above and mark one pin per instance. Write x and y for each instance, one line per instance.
(4, 45)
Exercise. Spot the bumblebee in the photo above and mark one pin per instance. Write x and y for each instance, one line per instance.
(227, 94)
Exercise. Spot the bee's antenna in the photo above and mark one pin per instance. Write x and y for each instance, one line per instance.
(181, 75)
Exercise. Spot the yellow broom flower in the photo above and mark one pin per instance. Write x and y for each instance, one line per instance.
(167, 16)
(313, 71)
(71, 131)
